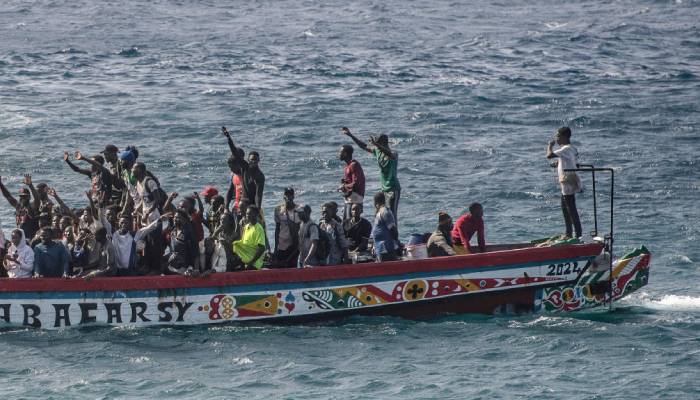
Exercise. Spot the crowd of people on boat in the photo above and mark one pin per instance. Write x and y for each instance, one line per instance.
(132, 226)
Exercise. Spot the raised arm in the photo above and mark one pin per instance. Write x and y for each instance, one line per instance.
(64, 208)
(199, 203)
(169, 201)
(355, 139)
(32, 189)
(75, 168)
(81, 157)
(231, 145)
(13, 202)
(550, 151)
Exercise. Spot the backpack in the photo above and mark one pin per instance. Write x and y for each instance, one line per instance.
(158, 196)
(324, 244)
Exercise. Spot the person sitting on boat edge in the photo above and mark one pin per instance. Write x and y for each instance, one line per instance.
(338, 251)
(357, 230)
(251, 247)
(308, 238)
(468, 224)
(353, 183)
(440, 242)
(384, 232)
(568, 180)
(19, 261)
(51, 259)
(287, 221)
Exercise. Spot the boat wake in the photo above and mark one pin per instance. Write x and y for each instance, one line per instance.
(669, 302)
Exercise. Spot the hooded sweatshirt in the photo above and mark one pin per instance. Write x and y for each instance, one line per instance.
(23, 267)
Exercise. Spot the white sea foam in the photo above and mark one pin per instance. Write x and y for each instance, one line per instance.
(670, 302)
(242, 361)
(10, 119)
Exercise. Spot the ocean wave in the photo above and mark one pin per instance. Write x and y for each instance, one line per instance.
(129, 52)
(669, 302)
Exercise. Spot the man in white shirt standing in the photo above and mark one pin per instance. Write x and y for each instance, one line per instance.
(568, 180)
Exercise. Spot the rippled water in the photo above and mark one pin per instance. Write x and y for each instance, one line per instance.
(469, 93)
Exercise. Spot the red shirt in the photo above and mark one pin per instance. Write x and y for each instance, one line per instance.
(238, 186)
(354, 178)
(464, 230)
(197, 226)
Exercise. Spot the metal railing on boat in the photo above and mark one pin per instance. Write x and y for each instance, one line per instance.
(608, 239)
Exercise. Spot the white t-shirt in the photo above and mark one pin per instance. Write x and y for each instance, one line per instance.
(569, 181)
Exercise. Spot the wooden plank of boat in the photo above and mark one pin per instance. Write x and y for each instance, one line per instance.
(519, 280)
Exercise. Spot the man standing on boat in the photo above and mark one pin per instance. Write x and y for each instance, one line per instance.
(468, 224)
(251, 247)
(338, 251)
(353, 182)
(309, 239)
(100, 176)
(252, 180)
(287, 223)
(568, 180)
(384, 232)
(26, 212)
(388, 163)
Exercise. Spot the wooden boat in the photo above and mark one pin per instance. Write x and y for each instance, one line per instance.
(510, 279)
(517, 278)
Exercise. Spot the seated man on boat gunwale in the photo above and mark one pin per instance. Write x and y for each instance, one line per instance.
(468, 224)
(440, 242)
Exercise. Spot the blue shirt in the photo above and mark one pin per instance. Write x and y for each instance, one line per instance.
(384, 222)
(51, 261)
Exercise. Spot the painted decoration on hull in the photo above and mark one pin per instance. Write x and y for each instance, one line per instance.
(630, 273)
(230, 307)
(208, 305)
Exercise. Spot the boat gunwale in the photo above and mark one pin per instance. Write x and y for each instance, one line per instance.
(435, 265)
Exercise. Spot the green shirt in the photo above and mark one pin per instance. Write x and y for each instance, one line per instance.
(387, 171)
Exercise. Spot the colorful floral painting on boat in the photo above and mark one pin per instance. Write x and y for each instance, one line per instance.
(629, 274)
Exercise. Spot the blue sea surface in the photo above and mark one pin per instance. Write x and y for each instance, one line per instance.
(469, 92)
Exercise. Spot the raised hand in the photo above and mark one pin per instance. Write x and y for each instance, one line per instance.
(27, 179)
(225, 131)
(51, 192)
(78, 155)
(66, 156)
(173, 195)
(345, 130)
(552, 142)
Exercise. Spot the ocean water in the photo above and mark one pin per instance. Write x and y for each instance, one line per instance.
(469, 92)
